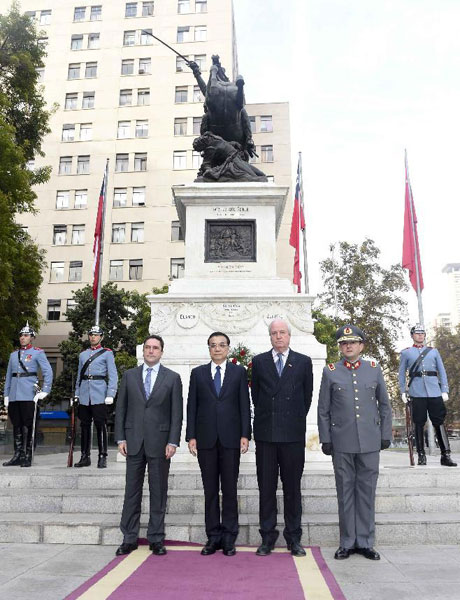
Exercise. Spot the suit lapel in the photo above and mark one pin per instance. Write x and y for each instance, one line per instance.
(287, 369)
(229, 372)
(140, 382)
(209, 379)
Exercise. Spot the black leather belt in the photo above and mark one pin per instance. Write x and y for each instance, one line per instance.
(91, 377)
(25, 374)
(426, 373)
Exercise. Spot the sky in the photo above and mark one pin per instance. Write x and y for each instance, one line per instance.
(366, 79)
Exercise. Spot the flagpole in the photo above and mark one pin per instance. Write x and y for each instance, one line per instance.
(101, 252)
(304, 236)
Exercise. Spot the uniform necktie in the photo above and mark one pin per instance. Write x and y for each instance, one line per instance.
(279, 364)
(148, 381)
(217, 381)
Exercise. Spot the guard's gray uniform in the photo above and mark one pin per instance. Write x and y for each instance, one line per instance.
(19, 384)
(354, 415)
(100, 378)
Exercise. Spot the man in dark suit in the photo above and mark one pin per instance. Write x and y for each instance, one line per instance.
(148, 424)
(282, 386)
(218, 429)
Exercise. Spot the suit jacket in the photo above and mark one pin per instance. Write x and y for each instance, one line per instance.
(154, 421)
(354, 413)
(281, 403)
(427, 386)
(226, 417)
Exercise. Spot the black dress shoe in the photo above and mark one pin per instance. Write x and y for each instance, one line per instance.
(369, 553)
(421, 461)
(229, 550)
(296, 549)
(264, 549)
(158, 548)
(211, 548)
(342, 553)
(125, 548)
(446, 460)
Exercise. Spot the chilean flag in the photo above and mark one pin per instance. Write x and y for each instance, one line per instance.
(98, 233)
(297, 225)
(411, 249)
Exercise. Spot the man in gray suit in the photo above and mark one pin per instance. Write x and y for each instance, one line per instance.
(354, 422)
(148, 424)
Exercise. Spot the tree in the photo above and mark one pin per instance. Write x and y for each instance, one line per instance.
(324, 332)
(448, 344)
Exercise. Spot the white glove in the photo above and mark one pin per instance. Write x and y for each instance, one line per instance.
(445, 396)
(108, 400)
(40, 396)
(74, 400)
(404, 397)
(6, 401)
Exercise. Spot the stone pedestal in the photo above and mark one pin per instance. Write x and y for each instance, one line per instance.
(230, 281)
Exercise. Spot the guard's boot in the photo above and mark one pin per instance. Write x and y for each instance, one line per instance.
(420, 444)
(444, 446)
(27, 462)
(101, 431)
(18, 456)
(85, 460)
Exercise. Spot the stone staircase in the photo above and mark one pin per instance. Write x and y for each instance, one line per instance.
(52, 504)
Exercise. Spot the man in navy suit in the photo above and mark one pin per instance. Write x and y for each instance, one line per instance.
(282, 386)
(218, 430)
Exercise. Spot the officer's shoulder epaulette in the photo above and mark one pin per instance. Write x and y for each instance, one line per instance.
(37, 348)
(108, 349)
(331, 366)
(373, 363)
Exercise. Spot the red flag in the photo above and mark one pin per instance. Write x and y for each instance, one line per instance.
(98, 234)
(411, 249)
(297, 225)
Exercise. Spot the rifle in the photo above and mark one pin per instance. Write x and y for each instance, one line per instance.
(73, 430)
(410, 432)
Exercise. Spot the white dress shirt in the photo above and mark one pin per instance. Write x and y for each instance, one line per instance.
(153, 374)
(214, 366)
(275, 357)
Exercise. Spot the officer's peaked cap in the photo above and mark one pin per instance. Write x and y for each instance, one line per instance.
(349, 333)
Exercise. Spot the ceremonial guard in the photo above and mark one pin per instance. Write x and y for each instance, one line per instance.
(22, 394)
(354, 422)
(96, 387)
(428, 389)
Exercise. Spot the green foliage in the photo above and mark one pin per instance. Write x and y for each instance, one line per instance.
(324, 332)
(123, 361)
(448, 344)
(64, 384)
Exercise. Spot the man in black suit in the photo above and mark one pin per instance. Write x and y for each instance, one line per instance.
(148, 424)
(219, 429)
(282, 386)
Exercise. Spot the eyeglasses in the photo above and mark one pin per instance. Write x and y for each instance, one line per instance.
(214, 346)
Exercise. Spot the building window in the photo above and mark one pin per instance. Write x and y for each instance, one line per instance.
(267, 153)
(65, 165)
(129, 38)
(196, 125)
(146, 37)
(135, 269)
(139, 196)
(140, 161)
(91, 70)
(181, 94)
(71, 304)
(177, 268)
(86, 132)
(118, 233)
(31, 14)
(266, 123)
(177, 234)
(68, 133)
(142, 129)
(124, 129)
(76, 42)
(74, 71)
(200, 60)
(81, 199)
(116, 270)
(93, 41)
(143, 97)
(78, 235)
(54, 310)
(96, 13)
(62, 200)
(147, 9)
(131, 9)
(127, 67)
(59, 235)
(270, 178)
(179, 159)
(83, 165)
(180, 126)
(197, 95)
(71, 101)
(196, 159)
(183, 6)
(45, 17)
(137, 232)
(57, 272)
(79, 13)
(126, 97)
(145, 66)
(75, 270)
(180, 64)
(121, 162)
(88, 100)
(183, 34)
(200, 33)
(201, 6)
(119, 197)
(252, 121)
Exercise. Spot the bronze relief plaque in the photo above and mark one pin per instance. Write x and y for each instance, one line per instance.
(230, 240)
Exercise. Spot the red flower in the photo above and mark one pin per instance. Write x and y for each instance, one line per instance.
(242, 352)
(250, 365)
(234, 361)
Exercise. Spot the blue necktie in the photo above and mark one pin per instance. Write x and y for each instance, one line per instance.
(147, 382)
(279, 364)
(217, 381)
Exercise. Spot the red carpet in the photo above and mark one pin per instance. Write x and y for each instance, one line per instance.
(183, 574)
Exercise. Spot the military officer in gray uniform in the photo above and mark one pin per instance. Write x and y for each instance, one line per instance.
(428, 389)
(96, 387)
(22, 394)
(354, 421)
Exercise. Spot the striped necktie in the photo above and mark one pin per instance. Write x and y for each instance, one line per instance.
(279, 364)
(148, 382)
